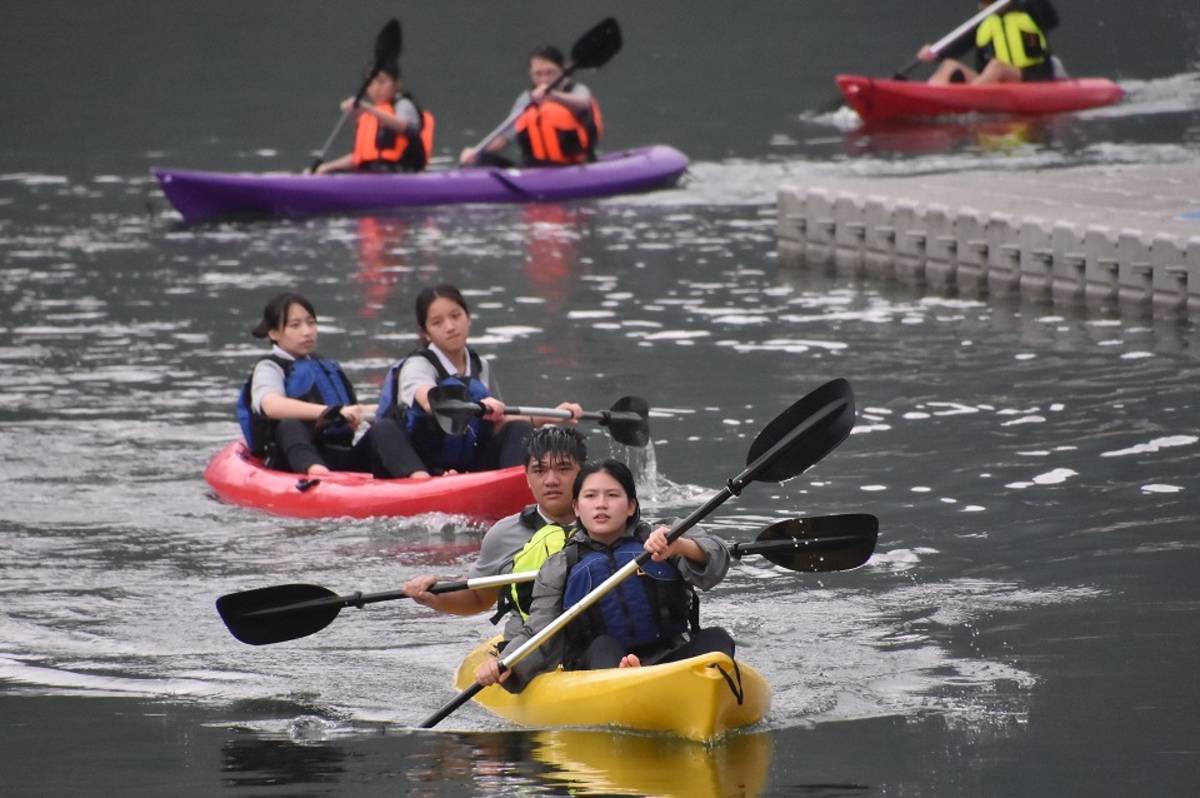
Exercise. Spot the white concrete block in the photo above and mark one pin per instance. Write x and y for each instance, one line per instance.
(941, 247)
(1134, 270)
(790, 221)
(1169, 279)
(819, 226)
(1036, 257)
(1067, 278)
(1100, 249)
(880, 236)
(910, 242)
(1004, 253)
(850, 232)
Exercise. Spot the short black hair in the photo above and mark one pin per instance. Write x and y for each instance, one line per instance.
(555, 443)
(548, 52)
(276, 311)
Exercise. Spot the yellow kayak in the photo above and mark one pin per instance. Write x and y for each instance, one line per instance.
(699, 698)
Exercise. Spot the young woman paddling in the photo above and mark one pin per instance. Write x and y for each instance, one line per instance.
(648, 618)
(300, 410)
(393, 133)
(445, 360)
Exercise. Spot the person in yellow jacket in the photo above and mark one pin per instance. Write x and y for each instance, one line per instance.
(524, 540)
(393, 134)
(1010, 47)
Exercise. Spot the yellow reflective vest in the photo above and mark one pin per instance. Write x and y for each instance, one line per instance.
(1014, 38)
(545, 542)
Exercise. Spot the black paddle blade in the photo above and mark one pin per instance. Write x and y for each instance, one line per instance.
(821, 421)
(632, 426)
(452, 408)
(387, 44)
(827, 543)
(288, 612)
(596, 47)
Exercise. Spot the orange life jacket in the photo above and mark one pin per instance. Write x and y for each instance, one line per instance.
(408, 151)
(551, 133)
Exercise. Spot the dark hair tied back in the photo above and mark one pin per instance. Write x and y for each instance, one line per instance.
(275, 314)
(427, 297)
(615, 469)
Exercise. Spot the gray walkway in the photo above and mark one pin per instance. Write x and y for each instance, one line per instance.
(1098, 233)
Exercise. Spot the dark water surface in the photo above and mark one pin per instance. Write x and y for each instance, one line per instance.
(1028, 626)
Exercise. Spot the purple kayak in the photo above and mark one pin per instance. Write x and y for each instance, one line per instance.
(202, 196)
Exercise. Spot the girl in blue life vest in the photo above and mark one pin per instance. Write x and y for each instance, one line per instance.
(300, 411)
(491, 441)
(648, 618)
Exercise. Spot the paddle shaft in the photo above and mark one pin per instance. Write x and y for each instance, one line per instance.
(733, 488)
(511, 118)
(953, 36)
(362, 90)
(550, 412)
(359, 599)
(385, 49)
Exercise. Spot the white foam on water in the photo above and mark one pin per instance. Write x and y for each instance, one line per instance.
(1154, 446)
(1156, 488)
(1055, 477)
(1034, 419)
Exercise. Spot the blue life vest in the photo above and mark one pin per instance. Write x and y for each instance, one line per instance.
(309, 379)
(437, 449)
(653, 606)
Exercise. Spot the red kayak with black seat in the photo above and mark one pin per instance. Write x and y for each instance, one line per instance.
(239, 477)
(881, 100)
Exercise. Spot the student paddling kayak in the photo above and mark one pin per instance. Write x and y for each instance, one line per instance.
(1010, 47)
(300, 410)
(446, 361)
(521, 541)
(552, 126)
(648, 619)
(393, 133)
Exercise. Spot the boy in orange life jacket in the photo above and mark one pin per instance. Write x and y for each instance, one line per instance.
(393, 134)
(552, 128)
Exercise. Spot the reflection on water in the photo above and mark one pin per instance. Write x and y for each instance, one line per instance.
(594, 763)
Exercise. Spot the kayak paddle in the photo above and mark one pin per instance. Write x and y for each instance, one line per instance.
(937, 47)
(387, 49)
(795, 440)
(627, 420)
(287, 612)
(592, 50)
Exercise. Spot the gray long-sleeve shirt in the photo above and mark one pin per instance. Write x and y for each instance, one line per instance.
(547, 603)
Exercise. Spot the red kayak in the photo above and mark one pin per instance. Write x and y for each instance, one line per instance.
(241, 478)
(878, 100)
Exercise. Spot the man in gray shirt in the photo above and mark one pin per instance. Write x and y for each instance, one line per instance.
(563, 125)
(553, 457)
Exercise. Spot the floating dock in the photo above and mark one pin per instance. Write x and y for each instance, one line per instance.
(1127, 235)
